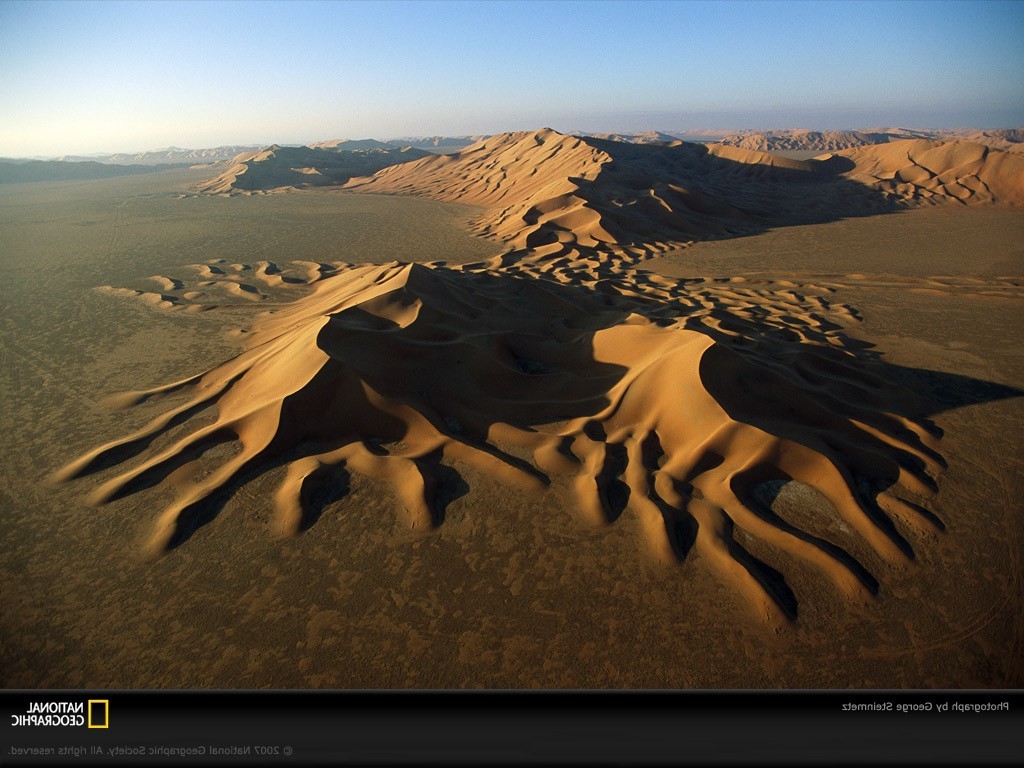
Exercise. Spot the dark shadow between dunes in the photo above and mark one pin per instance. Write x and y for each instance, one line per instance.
(685, 192)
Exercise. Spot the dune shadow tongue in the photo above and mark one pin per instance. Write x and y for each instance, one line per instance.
(404, 372)
(869, 428)
(409, 367)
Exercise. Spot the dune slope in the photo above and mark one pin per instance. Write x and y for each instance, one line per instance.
(542, 188)
(922, 172)
(296, 167)
(554, 195)
(560, 365)
(775, 141)
(637, 396)
(59, 170)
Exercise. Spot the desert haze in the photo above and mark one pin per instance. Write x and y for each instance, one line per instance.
(549, 410)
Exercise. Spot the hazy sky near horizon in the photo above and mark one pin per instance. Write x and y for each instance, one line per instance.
(82, 77)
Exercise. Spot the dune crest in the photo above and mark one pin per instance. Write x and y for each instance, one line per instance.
(776, 141)
(546, 192)
(564, 199)
(679, 401)
(1009, 140)
(929, 172)
(327, 164)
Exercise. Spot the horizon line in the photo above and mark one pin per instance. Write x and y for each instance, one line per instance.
(719, 131)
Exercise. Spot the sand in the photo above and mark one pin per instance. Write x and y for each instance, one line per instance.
(1010, 140)
(624, 202)
(795, 140)
(18, 172)
(939, 172)
(626, 401)
(725, 456)
(330, 163)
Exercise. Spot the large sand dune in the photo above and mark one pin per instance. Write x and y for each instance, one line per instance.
(330, 163)
(555, 194)
(544, 188)
(17, 172)
(919, 171)
(1010, 139)
(637, 137)
(561, 367)
(687, 404)
(176, 155)
(780, 141)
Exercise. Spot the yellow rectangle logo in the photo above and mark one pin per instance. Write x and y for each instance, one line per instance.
(99, 713)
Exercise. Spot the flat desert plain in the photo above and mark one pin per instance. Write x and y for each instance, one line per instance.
(785, 454)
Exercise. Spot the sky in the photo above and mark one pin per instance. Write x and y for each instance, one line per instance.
(90, 77)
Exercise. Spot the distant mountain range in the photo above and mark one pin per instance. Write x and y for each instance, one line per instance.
(169, 155)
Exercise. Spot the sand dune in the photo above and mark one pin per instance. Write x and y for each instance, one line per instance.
(175, 155)
(776, 141)
(555, 194)
(1011, 139)
(217, 285)
(350, 144)
(167, 283)
(542, 188)
(17, 172)
(921, 171)
(637, 137)
(1007, 139)
(561, 366)
(159, 300)
(296, 167)
(634, 393)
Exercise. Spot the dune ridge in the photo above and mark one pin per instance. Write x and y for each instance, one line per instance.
(637, 137)
(920, 171)
(350, 144)
(552, 194)
(18, 172)
(175, 155)
(800, 139)
(638, 395)
(600, 202)
(1008, 139)
(561, 366)
(329, 163)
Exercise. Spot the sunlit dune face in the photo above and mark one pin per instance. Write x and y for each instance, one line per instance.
(687, 404)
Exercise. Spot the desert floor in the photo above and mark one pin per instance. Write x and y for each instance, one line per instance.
(511, 591)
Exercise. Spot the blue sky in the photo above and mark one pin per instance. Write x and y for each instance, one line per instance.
(122, 76)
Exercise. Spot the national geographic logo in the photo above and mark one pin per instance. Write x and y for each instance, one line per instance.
(64, 714)
(99, 713)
